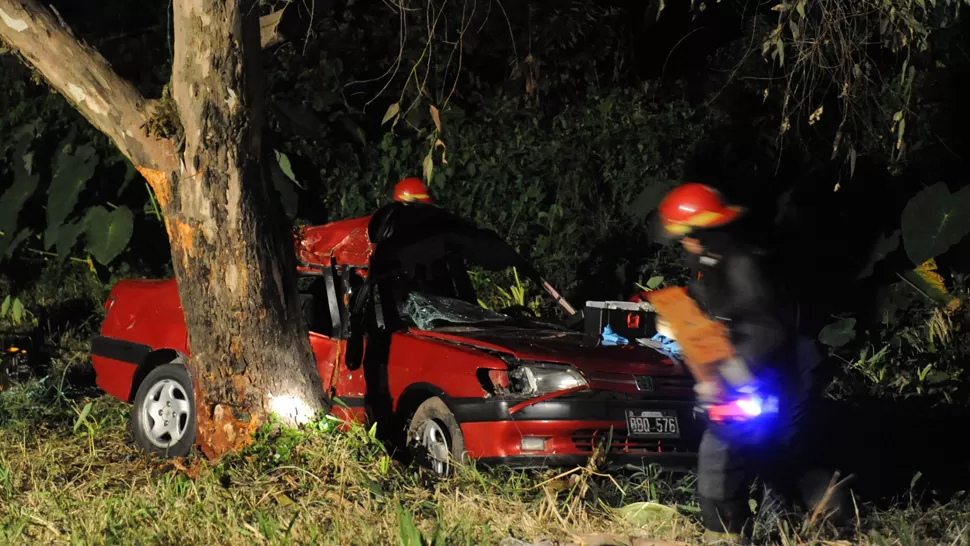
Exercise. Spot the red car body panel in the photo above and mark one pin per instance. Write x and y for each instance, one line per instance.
(145, 317)
(345, 241)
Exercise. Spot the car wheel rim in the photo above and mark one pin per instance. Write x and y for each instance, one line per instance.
(165, 413)
(434, 439)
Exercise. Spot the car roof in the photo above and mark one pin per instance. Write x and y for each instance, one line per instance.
(345, 241)
(403, 234)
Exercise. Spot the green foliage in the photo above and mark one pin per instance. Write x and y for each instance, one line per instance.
(557, 185)
(13, 199)
(73, 167)
(108, 233)
(934, 220)
(883, 246)
(824, 45)
(838, 333)
(13, 310)
(491, 295)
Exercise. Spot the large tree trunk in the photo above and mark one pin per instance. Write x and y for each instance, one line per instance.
(250, 347)
(232, 255)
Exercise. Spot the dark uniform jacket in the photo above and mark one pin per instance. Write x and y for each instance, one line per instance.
(732, 283)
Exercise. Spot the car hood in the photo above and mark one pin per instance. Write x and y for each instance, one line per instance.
(583, 351)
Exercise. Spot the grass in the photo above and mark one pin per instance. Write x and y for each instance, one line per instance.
(69, 474)
(68, 479)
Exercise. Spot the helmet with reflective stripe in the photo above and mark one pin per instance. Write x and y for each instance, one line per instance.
(693, 206)
(411, 189)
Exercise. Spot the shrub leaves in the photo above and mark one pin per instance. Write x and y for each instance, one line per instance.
(838, 333)
(108, 232)
(934, 220)
(71, 172)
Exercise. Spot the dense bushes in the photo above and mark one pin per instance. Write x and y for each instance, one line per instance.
(570, 190)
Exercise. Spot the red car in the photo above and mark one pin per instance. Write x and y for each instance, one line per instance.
(400, 338)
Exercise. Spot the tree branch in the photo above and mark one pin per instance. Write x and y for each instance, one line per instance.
(86, 80)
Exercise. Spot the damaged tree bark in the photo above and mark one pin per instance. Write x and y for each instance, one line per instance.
(232, 256)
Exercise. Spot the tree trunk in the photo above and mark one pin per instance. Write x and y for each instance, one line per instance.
(250, 347)
(232, 255)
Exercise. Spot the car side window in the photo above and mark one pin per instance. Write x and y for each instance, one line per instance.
(315, 305)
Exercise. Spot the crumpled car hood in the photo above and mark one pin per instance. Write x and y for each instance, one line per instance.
(581, 350)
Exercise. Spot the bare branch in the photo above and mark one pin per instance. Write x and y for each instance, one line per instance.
(86, 80)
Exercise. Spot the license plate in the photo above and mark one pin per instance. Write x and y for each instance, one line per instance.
(652, 424)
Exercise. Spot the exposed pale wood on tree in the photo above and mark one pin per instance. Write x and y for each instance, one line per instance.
(232, 256)
(86, 80)
(225, 217)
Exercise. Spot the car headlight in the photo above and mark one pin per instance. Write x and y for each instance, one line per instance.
(536, 378)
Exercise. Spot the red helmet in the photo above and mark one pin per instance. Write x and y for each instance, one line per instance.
(691, 206)
(411, 189)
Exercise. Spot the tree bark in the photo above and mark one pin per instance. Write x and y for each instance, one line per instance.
(232, 256)
(227, 242)
(86, 80)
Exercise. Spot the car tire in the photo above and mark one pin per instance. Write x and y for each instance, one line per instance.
(435, 438)
(163, 413)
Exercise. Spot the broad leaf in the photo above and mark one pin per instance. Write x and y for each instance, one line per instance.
(929, 284)
(5, 307)
(66, 238)
(71, 172)
(286, 167)
(288, 195)
(655, 281)
(934, 220)
(17, 311)
(13, 200)
(838, 333)
(108, 233)
(10, 242)
(391, 113)
(646, 513)
(884, 247)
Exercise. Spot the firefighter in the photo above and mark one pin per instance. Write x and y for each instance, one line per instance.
(735, 282)
(412, 190)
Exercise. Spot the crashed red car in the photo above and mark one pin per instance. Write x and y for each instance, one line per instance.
(400, 339)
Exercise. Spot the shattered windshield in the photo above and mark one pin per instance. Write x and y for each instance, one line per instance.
(439, 274)
(427, 311)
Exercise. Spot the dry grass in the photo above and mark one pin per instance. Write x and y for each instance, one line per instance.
(86, 484)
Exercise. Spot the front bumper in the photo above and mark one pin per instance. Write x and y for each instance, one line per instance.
(571, 429)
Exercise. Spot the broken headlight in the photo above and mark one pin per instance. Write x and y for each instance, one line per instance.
(537, 378)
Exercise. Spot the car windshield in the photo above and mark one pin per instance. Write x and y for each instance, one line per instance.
(427, 311)
(477, 281)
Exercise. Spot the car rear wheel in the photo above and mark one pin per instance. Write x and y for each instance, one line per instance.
(163, 414)
(435, 438)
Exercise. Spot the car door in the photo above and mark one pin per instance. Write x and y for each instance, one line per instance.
(320, 306)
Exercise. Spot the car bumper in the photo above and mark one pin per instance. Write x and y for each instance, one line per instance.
(570, 430)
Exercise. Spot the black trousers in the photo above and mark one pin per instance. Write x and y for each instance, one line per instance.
(787, 461)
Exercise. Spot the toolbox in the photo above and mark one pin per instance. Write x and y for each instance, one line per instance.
(626, 318)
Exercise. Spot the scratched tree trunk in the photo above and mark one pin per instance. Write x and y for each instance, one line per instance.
(238, 286)
(232, 256)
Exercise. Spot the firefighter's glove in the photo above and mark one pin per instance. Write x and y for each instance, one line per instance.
(736, 373)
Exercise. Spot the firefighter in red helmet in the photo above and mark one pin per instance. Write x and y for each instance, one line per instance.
(411, 190)
(735, 281)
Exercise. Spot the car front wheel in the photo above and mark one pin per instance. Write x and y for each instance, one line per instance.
(163, 414)
(435, 438)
